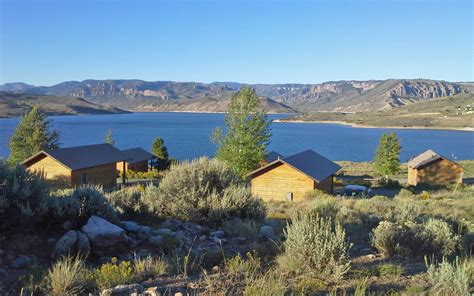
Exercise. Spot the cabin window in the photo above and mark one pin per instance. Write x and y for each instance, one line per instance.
(84, 178)
(289, 196)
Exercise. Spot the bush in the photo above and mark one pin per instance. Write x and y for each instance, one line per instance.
(68, 276)
(405, 212)
(127, 202)
(388, 183)
(433, 237)
(450, 278)
(248, 267)
(148, 267)
(385, 238)
(316, 246)
(23, 195)
(240, 227)
(80, 204)
(206, 191)
(150, 175)
(316, 194)
(114, 273)
(389, 269)
(424, 195)
(438, 238)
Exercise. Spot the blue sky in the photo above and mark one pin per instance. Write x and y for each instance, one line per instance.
(47, 42)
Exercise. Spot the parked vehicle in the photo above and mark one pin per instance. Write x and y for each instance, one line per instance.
(355, 191)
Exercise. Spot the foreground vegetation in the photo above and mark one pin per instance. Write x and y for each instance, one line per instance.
(417, 241)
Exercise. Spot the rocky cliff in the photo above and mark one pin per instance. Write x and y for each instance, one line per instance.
(192, 96)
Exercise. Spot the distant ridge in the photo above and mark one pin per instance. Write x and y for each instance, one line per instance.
(340, 96)
(12, 105)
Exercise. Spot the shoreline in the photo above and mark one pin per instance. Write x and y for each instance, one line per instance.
(355, 125)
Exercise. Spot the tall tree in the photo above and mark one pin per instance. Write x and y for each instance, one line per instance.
(247, 134)
(108, 138)
(160, 152)
(32, 135)
(387, 156)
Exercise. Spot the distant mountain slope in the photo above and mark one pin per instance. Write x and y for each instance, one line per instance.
(208, 105)
(455, 112)
(17, 104)
(329, 96)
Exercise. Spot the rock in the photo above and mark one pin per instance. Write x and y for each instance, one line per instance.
(165, 231)
(218, 233)
(171, 224)
(155, 240)
(105, 237)
(122, 290)
(152, 291)
(65, 245)
(202, 238)
(83, 245)
(266, 232)
(216, 269)
(178, 294)
(21, 261)
(131, 226)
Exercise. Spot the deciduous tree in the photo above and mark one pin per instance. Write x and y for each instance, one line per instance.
(247, 133)
(387, 156)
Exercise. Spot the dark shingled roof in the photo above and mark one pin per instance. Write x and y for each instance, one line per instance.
(309, 163)
(137, 154)
(272, 156)
(82, 157)
(426, 158)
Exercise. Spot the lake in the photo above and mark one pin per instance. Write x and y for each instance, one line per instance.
(187, 136)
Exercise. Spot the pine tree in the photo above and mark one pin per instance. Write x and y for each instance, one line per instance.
(387, 156)
(32, 135)
(160, 152)
(108, 138)
(247, 134)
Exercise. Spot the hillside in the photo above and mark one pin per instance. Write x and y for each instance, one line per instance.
(207, 105)
(348, 96)
(449, 112)
(12, 105)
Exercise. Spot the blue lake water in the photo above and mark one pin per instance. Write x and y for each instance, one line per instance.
(187, 136)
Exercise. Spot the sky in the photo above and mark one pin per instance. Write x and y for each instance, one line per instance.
(46, 42)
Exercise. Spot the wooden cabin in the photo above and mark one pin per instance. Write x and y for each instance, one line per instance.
(432, 168)
(138, 160)
(291, 178)
(77, 166)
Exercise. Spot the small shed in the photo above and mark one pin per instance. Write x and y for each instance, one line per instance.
(138, 159)
(290, 178)
(76, 166)
(432, 168)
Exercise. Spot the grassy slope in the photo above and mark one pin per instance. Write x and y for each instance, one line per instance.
(12, 105)
(436, 113)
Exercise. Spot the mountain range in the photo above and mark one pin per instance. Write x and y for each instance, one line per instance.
(335, 96)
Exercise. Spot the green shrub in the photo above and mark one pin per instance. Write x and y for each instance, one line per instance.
(314, 245)
(316, 194)
(389, 269)
(68, 276)
(127, 202)
(23, 195)
(148, 267)
(385, 238)
(388, 183)
(438, 238)
(114, 273)
(433, 237)
(206, 191)
(424, 195)
(80, 204)
(405, 212)
(240, 227)
(150, 175)
(450, 278)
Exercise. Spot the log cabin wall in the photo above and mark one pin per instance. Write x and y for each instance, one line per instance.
(275, 182)
(104, 175)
